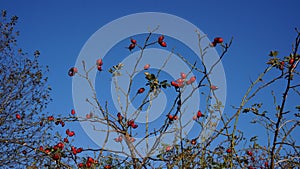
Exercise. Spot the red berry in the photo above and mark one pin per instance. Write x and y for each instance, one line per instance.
(88, 116)
(80, 165)
(193, 142)
(168, 148)
(131, 46)
(174, 84)
(170, 117)
(74, 152)
(147, 66)
(88, 164)
(72, 71)
(228, 150)
(90, 160)
(192, 79)
(41, 148)
(291, 61)
(199, 114)
(163, 44)
(141, 90)
(160, 39)
(75, 70)
(134, 126)
(55, 147)
(99, 62)
(130, 123)
(50, 118)
(67, 131)
(79, 150)
(132, 139)
(60, 145)
(212, 87)
(117, 139)
(18, 116)
(47, 151)
(188, 82)
(180, 80)
(175, 117)
(281, 67)
(73, 112)
(56, 156)
(120, 138)
(66, 140)
(183, 75)
(249, 153)
(71, 134)
(133, 41)
(218, 40)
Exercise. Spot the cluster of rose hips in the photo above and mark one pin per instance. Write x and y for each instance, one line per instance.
(72, 71)
(76, 150)
(50, 118)
(216, 41)
(161, 41)
(89, 163)
(290, 60)
(57, 121)
(183, 81)
(132, 45)
(70, 133)
(118, 139)
(54, 151)
(171, 117)
(131, 124)
(198, 115)
(250, 154)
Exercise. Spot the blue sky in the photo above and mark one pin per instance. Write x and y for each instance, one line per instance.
(59, 29)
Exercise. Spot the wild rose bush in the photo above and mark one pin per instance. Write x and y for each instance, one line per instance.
(32, 139)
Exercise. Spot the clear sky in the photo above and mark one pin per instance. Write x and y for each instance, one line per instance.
(59, 29)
